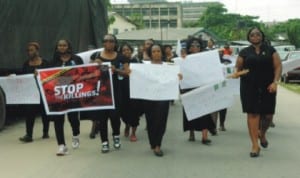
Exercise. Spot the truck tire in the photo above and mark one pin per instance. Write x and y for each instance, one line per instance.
(2, 109)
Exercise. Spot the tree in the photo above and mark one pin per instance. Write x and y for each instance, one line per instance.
(137, 19)
(290, 28)
(226, 25)
(293, 31)
(111, 19)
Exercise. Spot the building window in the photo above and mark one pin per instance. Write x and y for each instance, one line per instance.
(154, 24)
(147, 23)
(173, 11)
(145, 12)
(163, 11)
(154, 11)
(164, 23)
(173, 23)
(136, 11)
(119, 11)
(126, 12)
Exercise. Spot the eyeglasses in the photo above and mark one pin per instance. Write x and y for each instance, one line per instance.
(108, 40)
(255, 34)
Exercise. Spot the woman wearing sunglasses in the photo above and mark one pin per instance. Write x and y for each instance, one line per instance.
(258, 86)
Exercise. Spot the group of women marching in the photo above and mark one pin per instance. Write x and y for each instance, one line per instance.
(127, 109)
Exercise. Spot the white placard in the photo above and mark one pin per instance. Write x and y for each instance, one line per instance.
(178, 60)
(207, 99)
(20, 89)
(201, 69)
(86, 55)
(154, 81)
(234, 84)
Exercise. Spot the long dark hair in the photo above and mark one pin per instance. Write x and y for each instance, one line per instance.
(57, 54)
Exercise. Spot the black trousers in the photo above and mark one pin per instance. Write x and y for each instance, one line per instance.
(115, 122)
(135, 112)
(59, 121)
(125, 111)
(130, 109)
(156, 113)
(222, 113)
(31, 113)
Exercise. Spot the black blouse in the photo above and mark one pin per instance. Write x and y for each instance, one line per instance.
(74, 60)
(28, 69)
(261, 69)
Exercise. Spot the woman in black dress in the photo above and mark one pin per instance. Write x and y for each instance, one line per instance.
(29, 67)
(259, 85)
(130, 108)
(203, 123)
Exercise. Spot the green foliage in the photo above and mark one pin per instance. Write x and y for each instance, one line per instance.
(137, 19)
(226, 25)
(108, 4)
(291, 28)
(111, 20)
(293, 32)
(190, 24)
(229, 26)
(293, 87)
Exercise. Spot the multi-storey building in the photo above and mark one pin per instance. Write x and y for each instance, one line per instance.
(161, 14)
(155, 15)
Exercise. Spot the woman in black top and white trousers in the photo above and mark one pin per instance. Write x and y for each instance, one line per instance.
(64, 56)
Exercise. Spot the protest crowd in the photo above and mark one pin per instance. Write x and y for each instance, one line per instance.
(118, 86)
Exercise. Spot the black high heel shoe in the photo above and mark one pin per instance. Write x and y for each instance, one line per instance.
(255, 154)
(158, 153)
(206, 141)
(264, 144)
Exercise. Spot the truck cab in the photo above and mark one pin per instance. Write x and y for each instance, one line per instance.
(82, 29)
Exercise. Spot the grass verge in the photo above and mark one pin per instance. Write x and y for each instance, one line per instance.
(291, 86)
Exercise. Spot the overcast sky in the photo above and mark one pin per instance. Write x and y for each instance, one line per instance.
(267, 10)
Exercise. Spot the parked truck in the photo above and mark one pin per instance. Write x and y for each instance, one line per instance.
(83, 22)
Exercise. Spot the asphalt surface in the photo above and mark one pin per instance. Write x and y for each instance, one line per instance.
(227, 157)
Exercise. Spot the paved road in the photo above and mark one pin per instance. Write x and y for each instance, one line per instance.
(227, 157)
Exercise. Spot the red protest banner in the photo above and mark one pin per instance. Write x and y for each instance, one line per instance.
(76, 88)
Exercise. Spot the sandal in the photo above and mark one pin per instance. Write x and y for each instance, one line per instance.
(133, 138)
